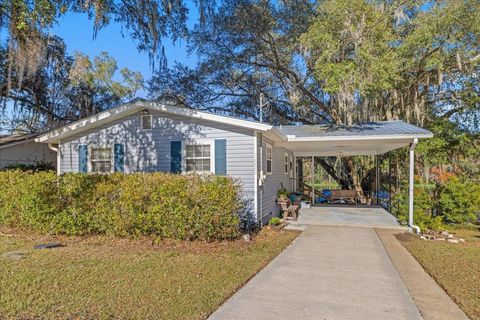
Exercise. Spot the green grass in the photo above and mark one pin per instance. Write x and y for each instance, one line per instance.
(456, 267)
(326, 185)
(103, 278)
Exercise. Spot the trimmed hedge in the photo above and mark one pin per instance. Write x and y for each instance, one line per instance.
(185, 207)
(37, 166)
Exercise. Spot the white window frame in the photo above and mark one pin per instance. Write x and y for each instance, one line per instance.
(286, 163)
(210, 142)
(267, 148)
(141, 122)
(112, 158)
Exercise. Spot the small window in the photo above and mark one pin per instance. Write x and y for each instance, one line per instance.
(101, 160)
(286, 163)
(269, 158)
(146, 122)
(198, 158)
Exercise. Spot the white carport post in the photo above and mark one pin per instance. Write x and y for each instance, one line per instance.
(411, 185)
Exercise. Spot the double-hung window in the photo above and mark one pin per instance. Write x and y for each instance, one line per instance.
(269, 156)
(101, 160)
(198, 158)
(286, 163)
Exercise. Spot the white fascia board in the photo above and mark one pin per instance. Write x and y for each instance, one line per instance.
(90, 122)
(293, 138)
(127, 109)
(192, 113)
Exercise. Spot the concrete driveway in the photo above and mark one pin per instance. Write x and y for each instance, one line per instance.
(359, 216)
(329, 272)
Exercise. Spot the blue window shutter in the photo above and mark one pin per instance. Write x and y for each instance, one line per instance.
(119, 157)
(221, 157)
(83, 158)
(176, 156)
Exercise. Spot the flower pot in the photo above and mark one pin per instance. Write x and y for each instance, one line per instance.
(305, 204)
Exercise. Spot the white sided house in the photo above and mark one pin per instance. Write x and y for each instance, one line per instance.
(21, 149)
(144, 136)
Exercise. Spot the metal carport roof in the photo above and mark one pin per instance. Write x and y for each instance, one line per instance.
(370, 138)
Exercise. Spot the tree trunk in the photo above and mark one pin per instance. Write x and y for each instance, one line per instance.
(344, 183)
(356, 183)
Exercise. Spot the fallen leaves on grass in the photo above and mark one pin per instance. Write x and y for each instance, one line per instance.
(456, 267)
(107, 277)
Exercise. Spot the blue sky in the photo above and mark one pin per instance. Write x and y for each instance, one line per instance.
(77, 32)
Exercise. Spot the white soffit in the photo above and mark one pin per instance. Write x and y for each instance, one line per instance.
(345, 147)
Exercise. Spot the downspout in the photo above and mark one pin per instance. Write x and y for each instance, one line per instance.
(261, 180)
(411, 186)
(51, 147)
(255, 174)
(55, 149)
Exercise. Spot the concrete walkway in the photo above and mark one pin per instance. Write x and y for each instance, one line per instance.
(345, 216)
(329, 272)
(432, 301)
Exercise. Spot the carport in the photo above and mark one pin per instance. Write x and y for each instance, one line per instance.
(363, 139)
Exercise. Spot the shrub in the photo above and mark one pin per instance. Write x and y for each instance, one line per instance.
(422, 210)
(163, 205)
(274, 221)
(37, 166)
(283, 192)
(27, 199)
(455, 202)
(458, 201)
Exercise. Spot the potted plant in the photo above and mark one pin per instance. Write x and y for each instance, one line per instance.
(283, 194)
(275, 223)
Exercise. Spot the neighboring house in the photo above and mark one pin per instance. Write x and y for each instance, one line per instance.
(147, 136)
(22, 149)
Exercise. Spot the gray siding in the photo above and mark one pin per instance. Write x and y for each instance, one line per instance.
(26, 153)
(274, 181)
(149, 150)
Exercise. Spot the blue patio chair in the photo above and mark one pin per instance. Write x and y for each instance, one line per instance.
(383, 197)
(382, 194)
(326, 192)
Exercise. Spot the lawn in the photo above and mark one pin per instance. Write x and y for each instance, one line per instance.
(456, 267)
(104, 277)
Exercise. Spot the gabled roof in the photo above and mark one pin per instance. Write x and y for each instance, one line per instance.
(372, 130)
(13, 139)
(138, 105)
(386, 130)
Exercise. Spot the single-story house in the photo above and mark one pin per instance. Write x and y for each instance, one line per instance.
(144, 136)
(22, 149)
